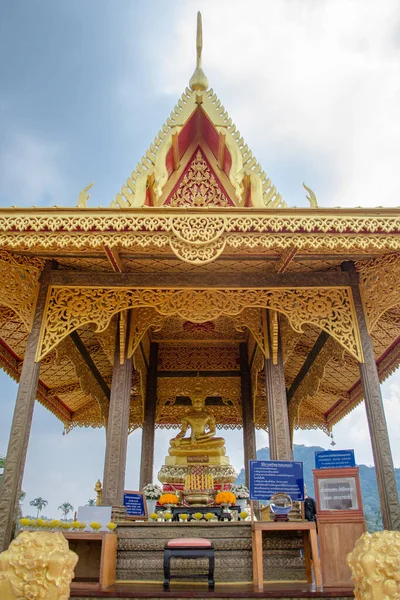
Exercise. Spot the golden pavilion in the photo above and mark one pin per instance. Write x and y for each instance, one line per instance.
(199, 276)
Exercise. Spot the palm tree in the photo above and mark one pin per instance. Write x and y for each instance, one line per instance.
(39, 504)
(65, 508)
(91, 502)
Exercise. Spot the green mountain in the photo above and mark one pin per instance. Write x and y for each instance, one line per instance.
(369, 488)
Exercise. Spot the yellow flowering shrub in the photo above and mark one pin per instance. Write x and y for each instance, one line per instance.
(225, 498)
(168, 499)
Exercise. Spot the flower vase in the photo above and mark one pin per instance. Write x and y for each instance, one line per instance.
(242, 503)
(151, 505)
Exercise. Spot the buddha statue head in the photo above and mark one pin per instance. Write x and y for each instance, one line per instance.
(197, 397)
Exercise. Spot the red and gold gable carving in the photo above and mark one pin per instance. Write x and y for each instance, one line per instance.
(198, 186)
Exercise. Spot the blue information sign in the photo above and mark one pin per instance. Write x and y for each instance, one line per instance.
(135, 505)
(335, 459)
(267, 477)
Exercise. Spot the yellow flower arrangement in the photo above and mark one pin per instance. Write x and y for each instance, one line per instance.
(32, 523)
(209, 516)
(55, 523)
(82, 525)
(243, 515)
(154, 516)
(24, 522)
(65, 525)
(41, 523)
(47, 524)
(184, 517)
(75, 524)
(198, 516)
(111, 526)
(95, 525)
(225, 498)
(167, 516)
(168, 499)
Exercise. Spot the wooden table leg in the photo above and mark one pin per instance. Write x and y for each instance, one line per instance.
(258, 574)
(315, 558)
(307, 556)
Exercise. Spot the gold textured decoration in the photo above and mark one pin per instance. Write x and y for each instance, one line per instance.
(98, 488)
(204, 358)
(330, 309)
(140, 320)
(307, 230)
(18, 287)
(274, 328)
(85, 376)
(199, 186)
(107, 339)
(374, 565)
(37, 566)
(380, 285)
(254, 319)
(260, 413)
(310, 384)
(312, 198)
(228, 414)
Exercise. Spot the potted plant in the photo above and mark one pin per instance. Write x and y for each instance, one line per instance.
(152, 492)
(242, 495)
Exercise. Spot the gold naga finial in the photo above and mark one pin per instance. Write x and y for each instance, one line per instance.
(199, 81)
(312, 198)
(84, 196)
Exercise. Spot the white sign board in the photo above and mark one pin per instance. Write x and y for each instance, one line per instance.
(88, 514)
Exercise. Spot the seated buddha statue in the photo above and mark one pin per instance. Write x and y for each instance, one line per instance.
(202, 442)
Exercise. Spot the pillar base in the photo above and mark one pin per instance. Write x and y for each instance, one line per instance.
(118, 514)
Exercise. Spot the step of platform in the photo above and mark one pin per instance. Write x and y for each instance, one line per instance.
(184, 591)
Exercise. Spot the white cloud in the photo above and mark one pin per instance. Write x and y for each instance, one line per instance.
(306, 82)
(30, 172)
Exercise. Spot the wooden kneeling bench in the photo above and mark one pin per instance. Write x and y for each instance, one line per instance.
(189, 548)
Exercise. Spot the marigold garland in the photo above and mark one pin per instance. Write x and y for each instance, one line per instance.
(168, 499)
(225, 498)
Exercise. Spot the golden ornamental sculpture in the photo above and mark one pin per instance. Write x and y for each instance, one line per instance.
(38, 566)
(374, 565)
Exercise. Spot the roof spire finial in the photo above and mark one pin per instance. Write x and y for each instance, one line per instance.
(199, 80)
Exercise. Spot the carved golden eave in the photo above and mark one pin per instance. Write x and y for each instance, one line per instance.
(198, 236)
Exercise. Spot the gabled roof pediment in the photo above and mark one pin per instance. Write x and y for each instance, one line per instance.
(199, 119)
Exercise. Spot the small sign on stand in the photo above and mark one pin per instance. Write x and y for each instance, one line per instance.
(135, 504)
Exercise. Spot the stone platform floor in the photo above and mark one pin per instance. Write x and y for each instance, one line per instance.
(178, 591)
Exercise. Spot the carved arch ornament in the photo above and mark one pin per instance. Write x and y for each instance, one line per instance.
(330, 309)
(19, 285)
(380, 286)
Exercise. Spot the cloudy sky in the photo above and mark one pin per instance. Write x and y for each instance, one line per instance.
(314, 87)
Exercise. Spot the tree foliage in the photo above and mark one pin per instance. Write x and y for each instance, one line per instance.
(39, 503)
(66, 508)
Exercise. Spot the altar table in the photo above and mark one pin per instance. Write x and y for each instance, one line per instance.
(310, 540)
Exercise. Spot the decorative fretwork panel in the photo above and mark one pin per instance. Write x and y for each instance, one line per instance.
(380, 286)
(19, 285)
(330, 309)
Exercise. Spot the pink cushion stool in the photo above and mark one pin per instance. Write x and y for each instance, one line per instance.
(189, 548)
